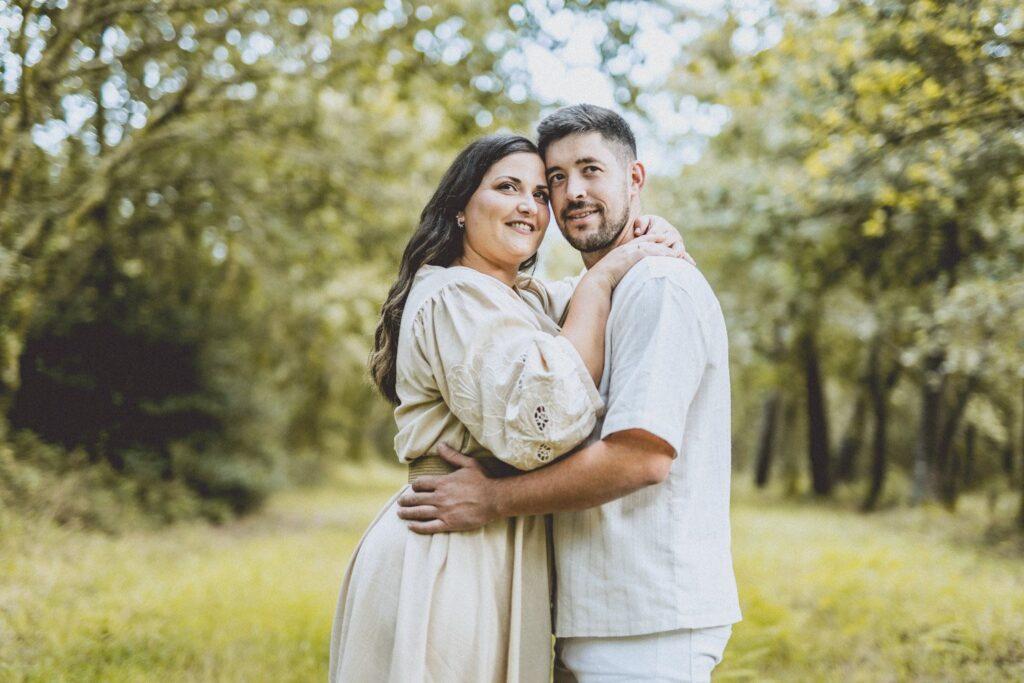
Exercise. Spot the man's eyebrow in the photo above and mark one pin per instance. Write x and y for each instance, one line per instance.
(578, 162)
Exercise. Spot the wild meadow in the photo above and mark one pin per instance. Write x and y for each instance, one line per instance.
(827, 595)
(203, 205)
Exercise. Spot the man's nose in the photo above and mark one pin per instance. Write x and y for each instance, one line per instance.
(575, 188)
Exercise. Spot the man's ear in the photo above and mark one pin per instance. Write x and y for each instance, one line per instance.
(637, 176)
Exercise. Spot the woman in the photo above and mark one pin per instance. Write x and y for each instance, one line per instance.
(468, 351)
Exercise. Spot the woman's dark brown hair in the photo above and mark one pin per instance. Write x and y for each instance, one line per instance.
(437, 241)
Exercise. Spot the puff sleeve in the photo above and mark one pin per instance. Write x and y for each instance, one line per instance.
(549, 297)
(524, 394)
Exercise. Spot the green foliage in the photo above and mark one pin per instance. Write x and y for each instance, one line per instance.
(42, 481)
(867, 191)
(203, 203)
(201, 207)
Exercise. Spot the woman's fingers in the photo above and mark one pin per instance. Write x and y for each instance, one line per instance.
(656, 225)
(672, 242)
(641, 225)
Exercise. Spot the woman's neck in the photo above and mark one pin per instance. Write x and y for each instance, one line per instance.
(502, 272)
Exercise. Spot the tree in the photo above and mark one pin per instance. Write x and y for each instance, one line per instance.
(228, 184)
(873, 152)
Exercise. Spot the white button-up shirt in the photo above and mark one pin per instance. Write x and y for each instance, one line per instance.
(658, 559)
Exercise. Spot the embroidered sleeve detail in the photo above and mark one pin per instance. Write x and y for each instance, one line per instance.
(523, 394)
(527, 411)
(540, 417)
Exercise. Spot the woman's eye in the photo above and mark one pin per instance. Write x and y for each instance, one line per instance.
(540, 196)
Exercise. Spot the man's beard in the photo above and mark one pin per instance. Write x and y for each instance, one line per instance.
(608, 229)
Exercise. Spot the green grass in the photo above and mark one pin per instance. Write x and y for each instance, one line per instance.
(831, 595)
(251, 601)
(827, 595)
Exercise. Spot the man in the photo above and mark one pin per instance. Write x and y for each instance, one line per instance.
(645, 586)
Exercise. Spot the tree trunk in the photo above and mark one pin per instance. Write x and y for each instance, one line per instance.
(945, 467)
(853, 439)
(1020, 514)
(925, 480)
(788, 458)
(878, 392)
(970, 442)
(817, 417)
(766, 441)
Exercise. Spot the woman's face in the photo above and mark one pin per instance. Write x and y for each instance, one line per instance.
(507, 215)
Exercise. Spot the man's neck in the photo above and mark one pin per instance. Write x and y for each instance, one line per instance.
(625, 235)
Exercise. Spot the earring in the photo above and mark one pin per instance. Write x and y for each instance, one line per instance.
(461, 220)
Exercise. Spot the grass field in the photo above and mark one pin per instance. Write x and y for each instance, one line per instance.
(827, 596)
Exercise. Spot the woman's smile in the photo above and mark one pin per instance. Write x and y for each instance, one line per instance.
(521, 227)
(506, 217)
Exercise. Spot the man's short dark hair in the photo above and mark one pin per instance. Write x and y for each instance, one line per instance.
(587, 118)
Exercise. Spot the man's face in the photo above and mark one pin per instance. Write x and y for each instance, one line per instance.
(590, 187)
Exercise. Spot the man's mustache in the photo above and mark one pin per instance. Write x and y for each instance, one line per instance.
(578, 206)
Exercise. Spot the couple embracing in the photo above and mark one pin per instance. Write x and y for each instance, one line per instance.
(496, 376)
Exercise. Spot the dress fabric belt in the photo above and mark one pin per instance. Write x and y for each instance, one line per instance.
(436, 465)
(428, 465)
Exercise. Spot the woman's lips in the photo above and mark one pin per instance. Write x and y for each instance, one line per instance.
(522, 227)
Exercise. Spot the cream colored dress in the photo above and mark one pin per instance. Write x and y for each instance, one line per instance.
(480, 368)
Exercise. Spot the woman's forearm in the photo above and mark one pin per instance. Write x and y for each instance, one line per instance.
(585, 322)
(592, 300)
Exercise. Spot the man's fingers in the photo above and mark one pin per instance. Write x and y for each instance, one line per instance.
(412, 499)
(425, 483)
(432, 527)
(419, 513)
(453, 457)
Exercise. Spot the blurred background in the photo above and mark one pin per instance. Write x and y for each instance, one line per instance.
(203, 203)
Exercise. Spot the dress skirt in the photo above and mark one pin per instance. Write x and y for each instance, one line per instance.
(469, 607)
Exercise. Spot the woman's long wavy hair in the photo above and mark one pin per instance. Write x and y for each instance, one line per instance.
(437, 241)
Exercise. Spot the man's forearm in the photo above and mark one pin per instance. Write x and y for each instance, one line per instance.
(601, 472)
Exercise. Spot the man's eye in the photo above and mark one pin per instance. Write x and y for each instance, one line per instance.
(555, 178)
(591, 169)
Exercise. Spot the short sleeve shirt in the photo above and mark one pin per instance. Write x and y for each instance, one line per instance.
(658, 559)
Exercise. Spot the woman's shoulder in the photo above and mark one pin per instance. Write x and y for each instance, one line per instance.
(456, 286)
(433, 280)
